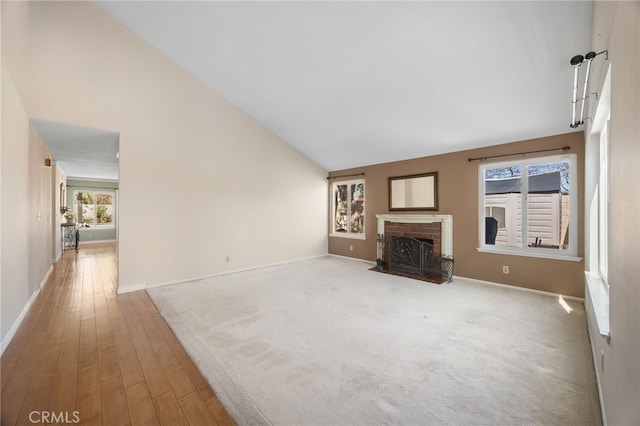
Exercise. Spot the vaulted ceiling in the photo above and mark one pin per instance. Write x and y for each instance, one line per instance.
(356, 83)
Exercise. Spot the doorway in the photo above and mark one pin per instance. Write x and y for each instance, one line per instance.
(85, 179)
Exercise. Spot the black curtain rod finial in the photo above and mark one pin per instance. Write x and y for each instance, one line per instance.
(577, 60)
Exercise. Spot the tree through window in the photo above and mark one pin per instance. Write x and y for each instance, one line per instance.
(94, 209)
(348, 209)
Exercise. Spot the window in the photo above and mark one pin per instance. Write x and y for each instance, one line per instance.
(94, 208)
(597, 187)
(348, 209)
(528, 207)
(597, 214)
(603, 204)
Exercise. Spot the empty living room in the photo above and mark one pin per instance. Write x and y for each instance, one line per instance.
(320, 213)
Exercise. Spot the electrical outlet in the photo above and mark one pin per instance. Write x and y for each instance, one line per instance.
(350, 248)
(227, 259)
(505, 269)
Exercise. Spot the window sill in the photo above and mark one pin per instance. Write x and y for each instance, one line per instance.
(598, 297)
(349, 236)
(542, 255)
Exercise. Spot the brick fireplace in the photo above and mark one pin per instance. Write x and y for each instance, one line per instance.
(420, 246)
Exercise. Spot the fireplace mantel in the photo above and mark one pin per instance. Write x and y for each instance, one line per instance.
(446, 221)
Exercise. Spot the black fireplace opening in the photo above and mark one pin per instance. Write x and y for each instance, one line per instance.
(412, 256)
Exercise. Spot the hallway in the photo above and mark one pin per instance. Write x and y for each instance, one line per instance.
(85, 353)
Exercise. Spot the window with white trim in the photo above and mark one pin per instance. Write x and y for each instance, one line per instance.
(603, 204)
(347, 209)
(94, 208)
(529, 206)
(597, 186)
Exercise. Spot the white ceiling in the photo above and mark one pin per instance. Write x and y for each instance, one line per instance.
(81, 152)
(356, 83)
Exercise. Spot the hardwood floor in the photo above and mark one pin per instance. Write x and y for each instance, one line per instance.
(84, 353)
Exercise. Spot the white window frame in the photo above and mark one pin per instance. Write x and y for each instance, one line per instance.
(598, 226)
(603, 205)
(549, 253)
(348, 234)
(95, 192)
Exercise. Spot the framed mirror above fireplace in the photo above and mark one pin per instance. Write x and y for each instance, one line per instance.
(414, 192)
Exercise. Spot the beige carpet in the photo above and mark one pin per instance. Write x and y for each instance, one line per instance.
(325, 341)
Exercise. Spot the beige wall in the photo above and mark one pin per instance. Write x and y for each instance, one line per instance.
(458, 196)
(616, 28)
(200, 181)
(15, 288)
(26, 217)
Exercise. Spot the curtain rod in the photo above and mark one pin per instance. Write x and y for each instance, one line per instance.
(341, 176)
(564, 148)
(98, 187)
(93, 188)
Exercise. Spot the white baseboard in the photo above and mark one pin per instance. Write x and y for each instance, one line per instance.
(530, 290)
(142, 286)
(218, 274)
(369, 262)
(6, 340)
(97, 242)
(46, 277)
(130, 288)
(16, 324)
(513, 287)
